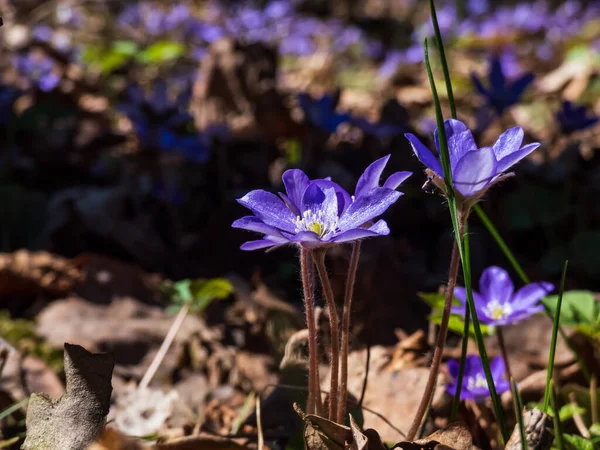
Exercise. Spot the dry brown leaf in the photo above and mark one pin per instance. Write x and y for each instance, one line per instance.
(453, 437)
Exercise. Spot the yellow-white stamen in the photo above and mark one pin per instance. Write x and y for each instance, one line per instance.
(316, 222)
(497, 311)
(476, 382)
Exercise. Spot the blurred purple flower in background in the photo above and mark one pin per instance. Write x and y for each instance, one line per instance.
(317, 213)
(39, 69)
(573, 118)
(321, 113)
(8, 96)
(501, 93)
(473, 169)
(474, 383)
(497, 303)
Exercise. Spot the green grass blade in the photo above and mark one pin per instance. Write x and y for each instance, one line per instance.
(554, 338)
(558, 437)
(440, 45)
(445, 159)
(518, 403)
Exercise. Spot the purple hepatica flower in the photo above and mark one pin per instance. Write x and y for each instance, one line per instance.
(474, 385)
(473, 169)
(321, 112)
(320, 213)
(497, 303)
(39, 69)
(381, 130)
(501, 94)
(574, 118)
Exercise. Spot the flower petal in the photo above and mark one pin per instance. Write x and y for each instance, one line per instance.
(424, 154)
(253, 223)
(367, 207)
(270, 208)
(460, 140)
(496, 285)
(295, 182)
(344, 199)
(497, 368)
(479, 85)
(453, 368)
(257, 245)
(474, 171)
(508, 142)
(369, 180)
(379, 229)
(508, 161)
(529, 295)
(396, 179)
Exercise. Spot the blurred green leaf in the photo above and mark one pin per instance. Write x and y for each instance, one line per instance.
(108, 58)
(456, 324)
(579, 310)
(575, 442)
(569, 410)
(197, 293)
(161, 51)
(595, 429)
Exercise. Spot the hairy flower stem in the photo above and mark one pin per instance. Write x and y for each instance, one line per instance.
(314, 392)
(500, 335)
(439, 346)
(319, 257)
(350, 279)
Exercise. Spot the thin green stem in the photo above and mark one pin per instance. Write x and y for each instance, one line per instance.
(465, 264)
(518, 404)
(465, 339)
(439, 346)
(319, 258)
(558, 437)
(554, 338)
(314, 394)
(351, 278)
(440, 45)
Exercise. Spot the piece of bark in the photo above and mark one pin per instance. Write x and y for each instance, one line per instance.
(537, 426)
(77, 418)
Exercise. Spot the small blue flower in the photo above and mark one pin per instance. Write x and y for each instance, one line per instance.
(474, 383)
(496, 302)
(39, 69)
(501, 93)
(320, 213)
(321, 112)
(473, 169)
(574, 118)
(381, 130)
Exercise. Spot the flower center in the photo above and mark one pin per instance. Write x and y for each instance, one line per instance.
(316, 222)
(476, 382)
(496, 310)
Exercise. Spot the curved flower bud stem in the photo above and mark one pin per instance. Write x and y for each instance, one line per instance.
(439, 346)
(351, 278)
(319, 257)
(314, 392)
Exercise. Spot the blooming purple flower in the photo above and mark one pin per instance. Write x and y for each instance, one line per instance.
(473, 169)
(501, 93)
(474, 383)
(496, 302)
(320, 213)
(321, 112)
(574, 117)
(381, 130)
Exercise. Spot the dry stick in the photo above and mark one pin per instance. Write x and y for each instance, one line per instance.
(314, 394)
(319, 258)
(164, 347)
(342, 400)
(439, 346)
(579, 423)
